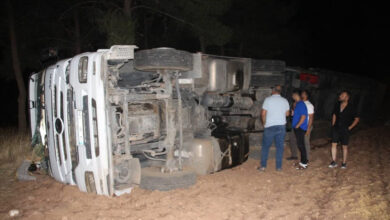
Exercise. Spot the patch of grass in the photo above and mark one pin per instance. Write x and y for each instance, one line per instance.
(14, 147)
(371, 205)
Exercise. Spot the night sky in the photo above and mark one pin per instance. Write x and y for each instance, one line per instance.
(337, 35)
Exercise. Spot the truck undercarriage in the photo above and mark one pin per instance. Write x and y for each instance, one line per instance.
(173, 110)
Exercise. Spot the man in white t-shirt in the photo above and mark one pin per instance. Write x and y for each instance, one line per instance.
(310, 110)
(273, 115)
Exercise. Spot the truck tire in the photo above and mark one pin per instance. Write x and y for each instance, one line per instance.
(268, 66)
(163, 59)
(153, 179)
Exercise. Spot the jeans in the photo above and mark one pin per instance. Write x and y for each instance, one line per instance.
(277, 134)
(300, 135)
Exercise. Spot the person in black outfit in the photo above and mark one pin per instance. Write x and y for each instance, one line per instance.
(299, 124)
(344, 119)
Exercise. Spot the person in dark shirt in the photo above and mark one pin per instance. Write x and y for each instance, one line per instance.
(299, 123)
(344, 119)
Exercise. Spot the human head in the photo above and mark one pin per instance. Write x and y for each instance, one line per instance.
(305, 95)
(344, 96)
(296, 95)
(276, 89)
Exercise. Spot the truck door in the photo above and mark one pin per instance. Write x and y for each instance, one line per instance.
(32, 102)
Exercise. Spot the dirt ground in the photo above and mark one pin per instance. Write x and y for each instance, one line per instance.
(359, 192)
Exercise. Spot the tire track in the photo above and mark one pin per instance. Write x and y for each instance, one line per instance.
(324, 201)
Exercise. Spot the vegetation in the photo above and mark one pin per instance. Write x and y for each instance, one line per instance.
(14, 147)
(301, 32)
(41, 32)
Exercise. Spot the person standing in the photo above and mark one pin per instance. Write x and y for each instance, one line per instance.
(273, 115)
(344, 119)
(293, 140)
(305, 95)
(299, 124)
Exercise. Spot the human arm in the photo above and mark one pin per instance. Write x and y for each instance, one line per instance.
(333, 119)
(354, 123)
(300, 112)
(287, 108)
(311, 118)
(300, 122)
(263, 115)
(293, 107)
(335, 110)
(310, 121)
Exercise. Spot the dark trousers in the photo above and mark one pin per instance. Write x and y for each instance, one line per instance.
(300, 136)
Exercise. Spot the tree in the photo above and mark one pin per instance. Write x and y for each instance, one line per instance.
(22, 123)
(203, 20)
(118, 25)
(76, 26)
(118, 28)
(205, 17)
(267, 29)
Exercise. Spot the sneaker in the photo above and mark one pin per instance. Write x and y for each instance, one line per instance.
(278, 169)
(261, 169)
(292, 158)
(301, 166)
(344, 166)
(333, 164)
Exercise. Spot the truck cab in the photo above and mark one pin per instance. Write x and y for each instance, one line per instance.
(115, 118)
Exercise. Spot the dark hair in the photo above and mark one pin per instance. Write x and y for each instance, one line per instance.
(307, 93)
(277, 88)
(296, 91)
(346, 91)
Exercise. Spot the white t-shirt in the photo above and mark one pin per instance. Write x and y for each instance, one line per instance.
(310, 107)
(276, 107)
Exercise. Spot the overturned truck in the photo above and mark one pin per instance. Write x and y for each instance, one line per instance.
(114, 119)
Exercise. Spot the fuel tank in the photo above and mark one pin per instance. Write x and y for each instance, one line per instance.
(203, 155)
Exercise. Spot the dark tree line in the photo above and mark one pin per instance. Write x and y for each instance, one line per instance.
(46, 30)
(35, 33)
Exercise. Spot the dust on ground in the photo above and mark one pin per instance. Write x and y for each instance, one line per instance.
(359, 192)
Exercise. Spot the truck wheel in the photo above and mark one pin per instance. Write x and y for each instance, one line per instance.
(153, 179)
(163, 59)
(268, 66)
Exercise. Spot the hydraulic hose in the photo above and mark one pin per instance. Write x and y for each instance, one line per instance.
(179, 115)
